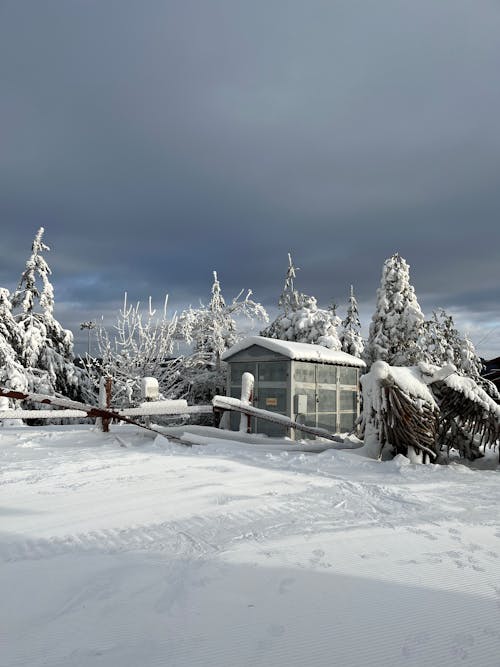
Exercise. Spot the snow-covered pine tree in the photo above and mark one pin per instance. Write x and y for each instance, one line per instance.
(396, 328)
(444, 344)
(290, 299)
(439, 338)
(46, 349)
(211, 330)
(350, 334)
(301, 320)
(9, 328)
(12, 374)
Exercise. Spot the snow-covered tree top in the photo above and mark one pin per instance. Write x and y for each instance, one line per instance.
(296, 351)
(290, 298)
(301, 320)
(27, 291)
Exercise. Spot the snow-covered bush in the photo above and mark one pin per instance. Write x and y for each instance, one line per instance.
(141, 346)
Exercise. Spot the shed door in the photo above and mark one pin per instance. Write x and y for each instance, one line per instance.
(316, 385)
(329, 396)
(270, 392)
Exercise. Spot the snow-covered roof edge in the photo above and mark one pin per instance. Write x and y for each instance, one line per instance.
(296, 351)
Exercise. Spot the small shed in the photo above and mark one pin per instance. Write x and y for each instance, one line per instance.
(308, 383)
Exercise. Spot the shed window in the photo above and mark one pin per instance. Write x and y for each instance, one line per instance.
(327, 374)
(348, 375)
(347, 421)
(348, 400)
(327, 400)
(328, 421)
(238, 368)
(305, 372)
(273, 371)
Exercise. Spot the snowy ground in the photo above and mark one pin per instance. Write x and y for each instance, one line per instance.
(158, 554)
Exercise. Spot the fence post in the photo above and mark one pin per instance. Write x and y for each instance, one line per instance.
(105, 385)
(247, 384)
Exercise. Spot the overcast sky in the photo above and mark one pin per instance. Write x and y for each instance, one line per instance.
(157, 141)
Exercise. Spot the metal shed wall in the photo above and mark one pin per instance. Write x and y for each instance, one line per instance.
(331, 390)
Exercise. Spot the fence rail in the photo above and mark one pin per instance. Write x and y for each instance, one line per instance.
(126, 412)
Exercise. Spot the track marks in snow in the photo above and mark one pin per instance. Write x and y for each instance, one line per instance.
(342, 506)
(207, 534)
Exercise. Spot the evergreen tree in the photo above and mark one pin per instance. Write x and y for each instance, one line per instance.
(301, 320)
(211, 330)
(12, 374)
(9, 328)
(45, 349)
(290, 299)
(444, 344)
(396, 328)
(350, 335)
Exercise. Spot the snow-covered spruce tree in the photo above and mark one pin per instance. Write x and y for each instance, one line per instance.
(350, 333)
(444, 344)
(396, 328)
(300, 319)
(9, 328)
(439, 339)
(44, 348)
(141, 346)
(12, 374)
(210, 330)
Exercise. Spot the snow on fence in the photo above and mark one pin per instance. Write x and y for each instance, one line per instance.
(75, 409)
(223, 403)
(147, 410)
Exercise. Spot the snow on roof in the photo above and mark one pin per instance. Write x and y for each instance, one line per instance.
(296, 351)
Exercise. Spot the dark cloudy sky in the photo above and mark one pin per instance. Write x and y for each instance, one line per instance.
(159, 140)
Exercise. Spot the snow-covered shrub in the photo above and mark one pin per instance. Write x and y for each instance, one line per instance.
(141, 346)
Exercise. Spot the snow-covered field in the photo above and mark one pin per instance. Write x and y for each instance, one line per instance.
(122, 551)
